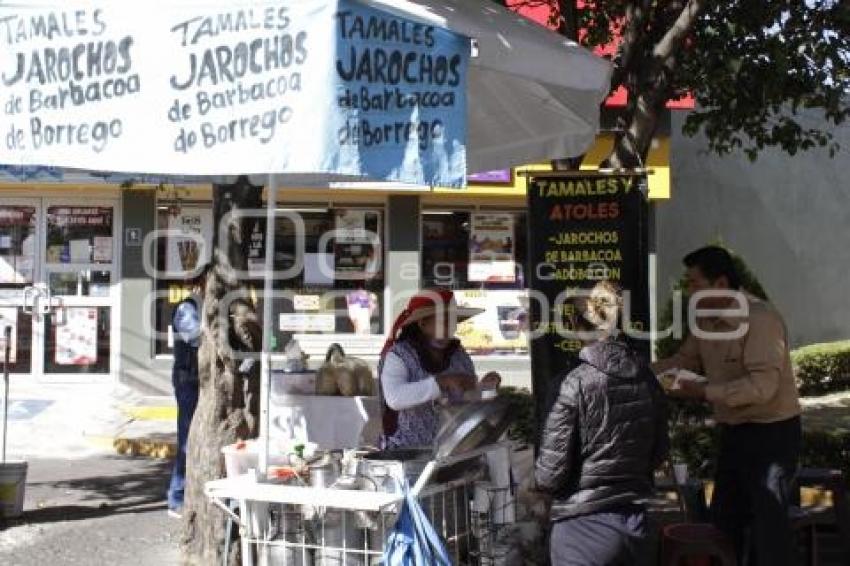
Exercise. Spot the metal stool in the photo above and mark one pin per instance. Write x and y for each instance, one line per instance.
(695, 540)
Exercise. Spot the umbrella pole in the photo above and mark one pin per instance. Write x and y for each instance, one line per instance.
(7, 348)
(268, 326)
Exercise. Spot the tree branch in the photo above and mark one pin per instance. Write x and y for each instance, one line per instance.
(636, 19)
(672, 41)
(568, 10)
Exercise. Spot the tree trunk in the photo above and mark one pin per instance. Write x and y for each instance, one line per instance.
(632, 143)
(228, 406)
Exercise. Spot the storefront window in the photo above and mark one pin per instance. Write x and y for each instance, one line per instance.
(79, 235)
(329, 266)
(335, 278)
(17, 245)
(481, 256)
(17, 262)
(184, 244)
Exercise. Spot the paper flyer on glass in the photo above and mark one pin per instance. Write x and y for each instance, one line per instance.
(491, 248)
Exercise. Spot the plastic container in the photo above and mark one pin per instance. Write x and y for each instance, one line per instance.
(13, 480)
(293, 383)
(240, 457)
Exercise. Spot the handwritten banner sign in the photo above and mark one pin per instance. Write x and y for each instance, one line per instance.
(226, 88)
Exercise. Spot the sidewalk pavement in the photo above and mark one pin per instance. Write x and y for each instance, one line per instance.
(66, 420)
(104, 510)
(72, 421)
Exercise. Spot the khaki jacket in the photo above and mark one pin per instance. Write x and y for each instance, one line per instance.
(750, 379)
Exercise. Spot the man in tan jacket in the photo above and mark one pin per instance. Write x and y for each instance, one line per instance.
(740, 344)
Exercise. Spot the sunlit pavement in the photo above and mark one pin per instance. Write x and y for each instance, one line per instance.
(72, 420)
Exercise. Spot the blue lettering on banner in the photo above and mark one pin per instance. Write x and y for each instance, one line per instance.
(328, 87)
(401, 97)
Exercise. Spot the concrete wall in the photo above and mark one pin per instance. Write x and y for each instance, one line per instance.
(788, 216)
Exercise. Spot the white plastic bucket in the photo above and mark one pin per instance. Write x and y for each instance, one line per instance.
(241, 457)
(13, 480)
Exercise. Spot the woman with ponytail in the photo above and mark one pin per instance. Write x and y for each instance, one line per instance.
(602, 441)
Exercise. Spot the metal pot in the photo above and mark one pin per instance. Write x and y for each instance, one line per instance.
(470, 426)
(323, 475)
(392, 465)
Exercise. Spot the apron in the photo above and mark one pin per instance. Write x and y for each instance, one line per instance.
(416, 427)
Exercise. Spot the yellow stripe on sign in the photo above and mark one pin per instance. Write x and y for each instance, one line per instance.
(658, 161)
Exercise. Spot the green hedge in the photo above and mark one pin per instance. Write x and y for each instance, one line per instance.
(693, 442)
(827, 449)
(523, 422)
(696, 445)
(822, 368)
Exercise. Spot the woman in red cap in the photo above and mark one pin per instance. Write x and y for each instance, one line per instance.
(421, 363)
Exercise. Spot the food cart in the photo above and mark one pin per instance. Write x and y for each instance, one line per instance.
(341, 508)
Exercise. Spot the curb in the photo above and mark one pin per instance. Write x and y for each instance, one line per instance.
(150, 412)
(140, 443)
(152, 447)
(160, 449)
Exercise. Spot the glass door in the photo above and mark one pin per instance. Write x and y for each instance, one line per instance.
(19, 275)
(80, 276)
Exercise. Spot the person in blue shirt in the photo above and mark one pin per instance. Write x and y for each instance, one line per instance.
(186, 325)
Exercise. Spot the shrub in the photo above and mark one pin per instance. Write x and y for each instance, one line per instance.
(697, 447)
(822, 368)
(692, 441)
(827, 449)
(523, 421)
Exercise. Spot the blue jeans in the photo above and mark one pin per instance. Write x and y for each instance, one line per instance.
(186, 394)
(615, 538)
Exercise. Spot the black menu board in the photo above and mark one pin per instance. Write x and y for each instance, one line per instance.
(582, 229)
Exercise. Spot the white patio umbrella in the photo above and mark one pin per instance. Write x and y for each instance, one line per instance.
(533, 95)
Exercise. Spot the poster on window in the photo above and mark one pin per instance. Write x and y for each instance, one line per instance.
(17, 244)
(257, 248)
(362, 307)
(503, 326)
(72, 231)
(189, 240)
(357, 245)
(76, 338)
(102, 249)
(491, 249)
(9, 318)
(15, 269)
(351, 226)
(307, 322)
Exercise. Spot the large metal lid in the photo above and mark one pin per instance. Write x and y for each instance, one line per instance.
(470, 426)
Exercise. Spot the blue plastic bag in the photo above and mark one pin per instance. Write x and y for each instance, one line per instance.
(413, 541)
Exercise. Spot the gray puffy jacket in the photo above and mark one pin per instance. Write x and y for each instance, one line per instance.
(605, 435)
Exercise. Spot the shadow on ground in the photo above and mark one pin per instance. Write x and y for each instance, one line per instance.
(60, 491)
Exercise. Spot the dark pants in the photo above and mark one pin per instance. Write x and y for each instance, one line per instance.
(756, 472)
(186, 395)
(614, 538)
